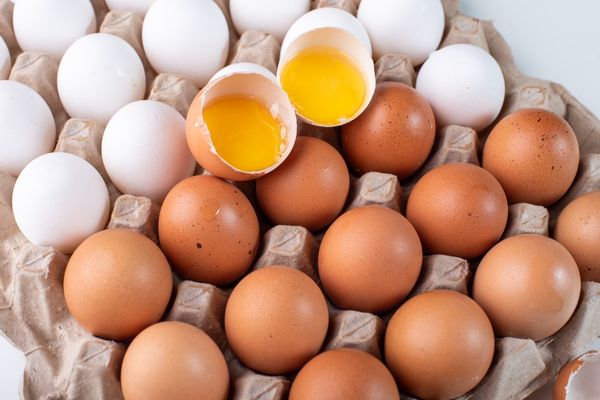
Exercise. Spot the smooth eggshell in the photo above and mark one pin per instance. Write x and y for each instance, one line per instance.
(117, 283)
(369, 259)
(534, 275)
(458, 210)
(534, 154)
(5, 62)
(174, 360)
(439, 345)
(208, 230)
(276, 320)
(578, 229)
(578, 379)
(393, 135)
(309, 189)
(138, 6)
(347, 374)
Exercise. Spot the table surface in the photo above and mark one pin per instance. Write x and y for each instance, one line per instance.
(551, 39)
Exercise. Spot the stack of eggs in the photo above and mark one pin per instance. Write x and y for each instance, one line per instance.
(243, 126)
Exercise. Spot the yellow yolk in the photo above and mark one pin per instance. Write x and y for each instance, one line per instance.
(244, 132)
(324, 85)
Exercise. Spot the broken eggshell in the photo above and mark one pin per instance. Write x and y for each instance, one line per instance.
(335, 28)
(578, 379)
(242, 79)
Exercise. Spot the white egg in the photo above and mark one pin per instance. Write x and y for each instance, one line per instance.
(145, 151)
(410, 27)
(27, 127)
(138, 6)
(249, 15)
(186, 37)
(99, 74)
(59, 200)
(5, 63)
(464, 85)
(51, 26)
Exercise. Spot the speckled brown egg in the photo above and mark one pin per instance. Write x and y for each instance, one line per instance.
(439, 345)
(309, 189)
(208, 230)
(370, 258)
(394, 134)
(458, 210)
(578, 229)
(528, 285)
(174, 360)
(117, 283)
(578, 379)
(276, 320)
(347, 374)
(534, 154)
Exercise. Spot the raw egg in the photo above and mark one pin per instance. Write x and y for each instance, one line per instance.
(208, 230)
(281, 15)
(276, 320)
(370, 259)
(531, 274)
(117, 283)
(534, 154)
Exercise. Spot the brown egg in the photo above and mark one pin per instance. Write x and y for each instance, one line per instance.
(458, 210)
(174, 360)
(276, 320)
(439, 345)
(534, 154)
(578, 229)
(347, 374)
(208, 230)
(309, 189)
(394, 134)
(578, 379)
(528, 285)
(117, 283)
(370, 258)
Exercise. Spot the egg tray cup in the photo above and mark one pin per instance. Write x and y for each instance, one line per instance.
(63, 361)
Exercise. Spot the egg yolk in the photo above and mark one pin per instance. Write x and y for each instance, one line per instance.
(324, 85)
(244, 132)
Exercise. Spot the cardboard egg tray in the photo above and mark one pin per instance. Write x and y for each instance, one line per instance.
(65, 362)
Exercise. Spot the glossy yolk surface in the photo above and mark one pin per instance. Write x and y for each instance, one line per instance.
(324, 85)
(244, 132)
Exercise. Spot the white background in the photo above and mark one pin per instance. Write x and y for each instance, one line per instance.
(551, 39)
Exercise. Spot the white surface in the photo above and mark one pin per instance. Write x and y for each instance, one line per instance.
(551, 39)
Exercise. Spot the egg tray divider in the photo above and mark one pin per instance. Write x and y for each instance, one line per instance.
(65, 362)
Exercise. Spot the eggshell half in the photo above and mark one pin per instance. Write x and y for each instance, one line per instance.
(579, 378)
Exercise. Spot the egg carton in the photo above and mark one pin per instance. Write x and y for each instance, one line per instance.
(63, 361)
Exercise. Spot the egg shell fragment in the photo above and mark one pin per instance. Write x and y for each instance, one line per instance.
(578, 379)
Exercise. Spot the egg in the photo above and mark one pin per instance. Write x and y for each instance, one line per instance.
(347, 374)
(309, 189)
(394, 134)
(27, 127)
(59, 200)
(174, 360)
(5, 62)
(117, 283)
(241, 125)
(144, 149)
(534, 154)
(410, 27)
(247, 15)
(464, 85)
(439, 345)
(51, 26)
(458, 210)
(326, 67)
(140, 7)
(276, 320)
(533, 274)
(186, 37)
(208, 230)
(578, 229)
(99, 74)
(370, 259)
(578, 379)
